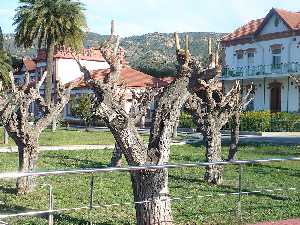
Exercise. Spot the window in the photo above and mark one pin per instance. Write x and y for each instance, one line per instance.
(276, 61)
(239, 54)
(276, 21)
(276, 57)
(250, 58)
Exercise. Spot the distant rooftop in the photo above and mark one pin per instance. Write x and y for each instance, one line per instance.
(130, 77)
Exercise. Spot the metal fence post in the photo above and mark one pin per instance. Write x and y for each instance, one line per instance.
(239, 204)
(91, 190)
(51, 205)
(91, 193)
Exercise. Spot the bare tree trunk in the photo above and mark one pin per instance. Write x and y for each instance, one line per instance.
(5, 136)
(152, 186)
(86, 125)
(49, 79)
(212, 139)
(235, 132)
(50, 54)
(28, 155)
(174, 134)
(54, 125)
(142, 122)
(116, 159)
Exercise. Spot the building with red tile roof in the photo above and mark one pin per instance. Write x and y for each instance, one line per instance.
(130, 77)
(251, 30)
(266, 52)
(66, 53)
(66, 70)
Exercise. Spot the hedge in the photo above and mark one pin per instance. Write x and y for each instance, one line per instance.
(260, 121)
(270, 122)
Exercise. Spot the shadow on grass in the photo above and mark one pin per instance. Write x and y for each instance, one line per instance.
(8, 190)
(265, 168)
(82, 163)
(12, 209)
(77, 221)
(262, 194)
(245, 209)
(178, 178)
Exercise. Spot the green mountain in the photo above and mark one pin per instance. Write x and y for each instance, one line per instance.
(152, 53)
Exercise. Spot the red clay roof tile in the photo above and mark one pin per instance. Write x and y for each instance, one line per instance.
(131, 78)
(244, 31)
(29, 64)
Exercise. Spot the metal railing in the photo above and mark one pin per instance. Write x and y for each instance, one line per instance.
(260, 70)
(94, 171)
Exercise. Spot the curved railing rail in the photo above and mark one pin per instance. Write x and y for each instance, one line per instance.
(261, 70)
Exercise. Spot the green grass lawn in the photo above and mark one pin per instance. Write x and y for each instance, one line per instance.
(74, 137)
(115, 187)
(70, 137)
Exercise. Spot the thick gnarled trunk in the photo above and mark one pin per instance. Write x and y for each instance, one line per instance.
(116, 159)
(150, 189)
(235, 132)
(5, 136)
(212, 139)
(28, 155)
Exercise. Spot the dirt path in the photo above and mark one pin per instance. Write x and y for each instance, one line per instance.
(283, 222)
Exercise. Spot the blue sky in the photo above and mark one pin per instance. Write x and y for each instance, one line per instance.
(135, 17)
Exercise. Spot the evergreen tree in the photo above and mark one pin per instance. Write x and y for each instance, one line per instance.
(1, 40)
(52, 23)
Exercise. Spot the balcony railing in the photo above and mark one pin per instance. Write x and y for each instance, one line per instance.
(250, 71)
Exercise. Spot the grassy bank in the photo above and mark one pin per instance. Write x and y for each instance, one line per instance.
(72, 190)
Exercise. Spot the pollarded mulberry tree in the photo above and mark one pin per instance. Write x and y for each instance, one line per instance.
(150, 187)
(141, 100)
(15, 113)
(211, 109)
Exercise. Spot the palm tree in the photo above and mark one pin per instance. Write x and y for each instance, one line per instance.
(5, 64)
(50, 23)
(5, 68)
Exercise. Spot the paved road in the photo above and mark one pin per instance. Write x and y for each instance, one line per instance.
(285, 139)
(245, 139)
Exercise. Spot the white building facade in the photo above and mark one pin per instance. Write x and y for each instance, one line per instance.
(266, 52)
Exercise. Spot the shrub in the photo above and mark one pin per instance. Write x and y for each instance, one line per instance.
(186, 121)
(269, 122)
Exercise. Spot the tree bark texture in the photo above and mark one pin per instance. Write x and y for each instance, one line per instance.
(5, 136)
(174, 134)
(28, 156)
(234, 139)
(116, 159)
(152, 194)
(212, 140)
